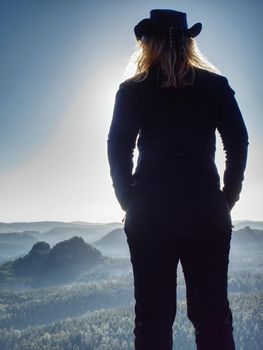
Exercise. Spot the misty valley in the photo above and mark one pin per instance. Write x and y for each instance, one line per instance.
(69, 286)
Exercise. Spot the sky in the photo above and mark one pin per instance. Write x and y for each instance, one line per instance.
(61, 63)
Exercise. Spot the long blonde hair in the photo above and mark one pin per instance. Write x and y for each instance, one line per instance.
(155, 50)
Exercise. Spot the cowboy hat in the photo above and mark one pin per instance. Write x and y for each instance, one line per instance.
(161, 21)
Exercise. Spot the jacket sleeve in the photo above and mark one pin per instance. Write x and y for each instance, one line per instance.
(121, 142)
(234, 137)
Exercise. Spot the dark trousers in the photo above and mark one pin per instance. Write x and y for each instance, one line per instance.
(163, 229)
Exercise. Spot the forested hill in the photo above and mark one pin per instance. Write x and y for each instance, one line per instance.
(65, 259)
(247, 236)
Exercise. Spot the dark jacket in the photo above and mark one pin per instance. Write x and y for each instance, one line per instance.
(176, 136)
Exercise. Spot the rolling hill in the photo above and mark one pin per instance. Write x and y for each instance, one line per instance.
(113, 244)
(16, 243)
(58, 264)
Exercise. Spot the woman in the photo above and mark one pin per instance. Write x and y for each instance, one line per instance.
(175, 209)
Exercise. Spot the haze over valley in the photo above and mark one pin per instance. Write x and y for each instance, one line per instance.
(71, 284)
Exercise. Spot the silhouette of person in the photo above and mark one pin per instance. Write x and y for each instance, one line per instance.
(175, 208)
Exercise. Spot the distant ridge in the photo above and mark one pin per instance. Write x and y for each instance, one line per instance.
(92, 223)
(114, 237)
(251, 223)
(43, 226)
(30, 225)
(113, 244)
(40, 226)
(14, 237)
(42, 264)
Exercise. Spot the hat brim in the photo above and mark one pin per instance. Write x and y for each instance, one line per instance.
(194, 30)
(146, 27)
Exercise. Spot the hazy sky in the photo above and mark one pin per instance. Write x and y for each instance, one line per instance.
(61, 63)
